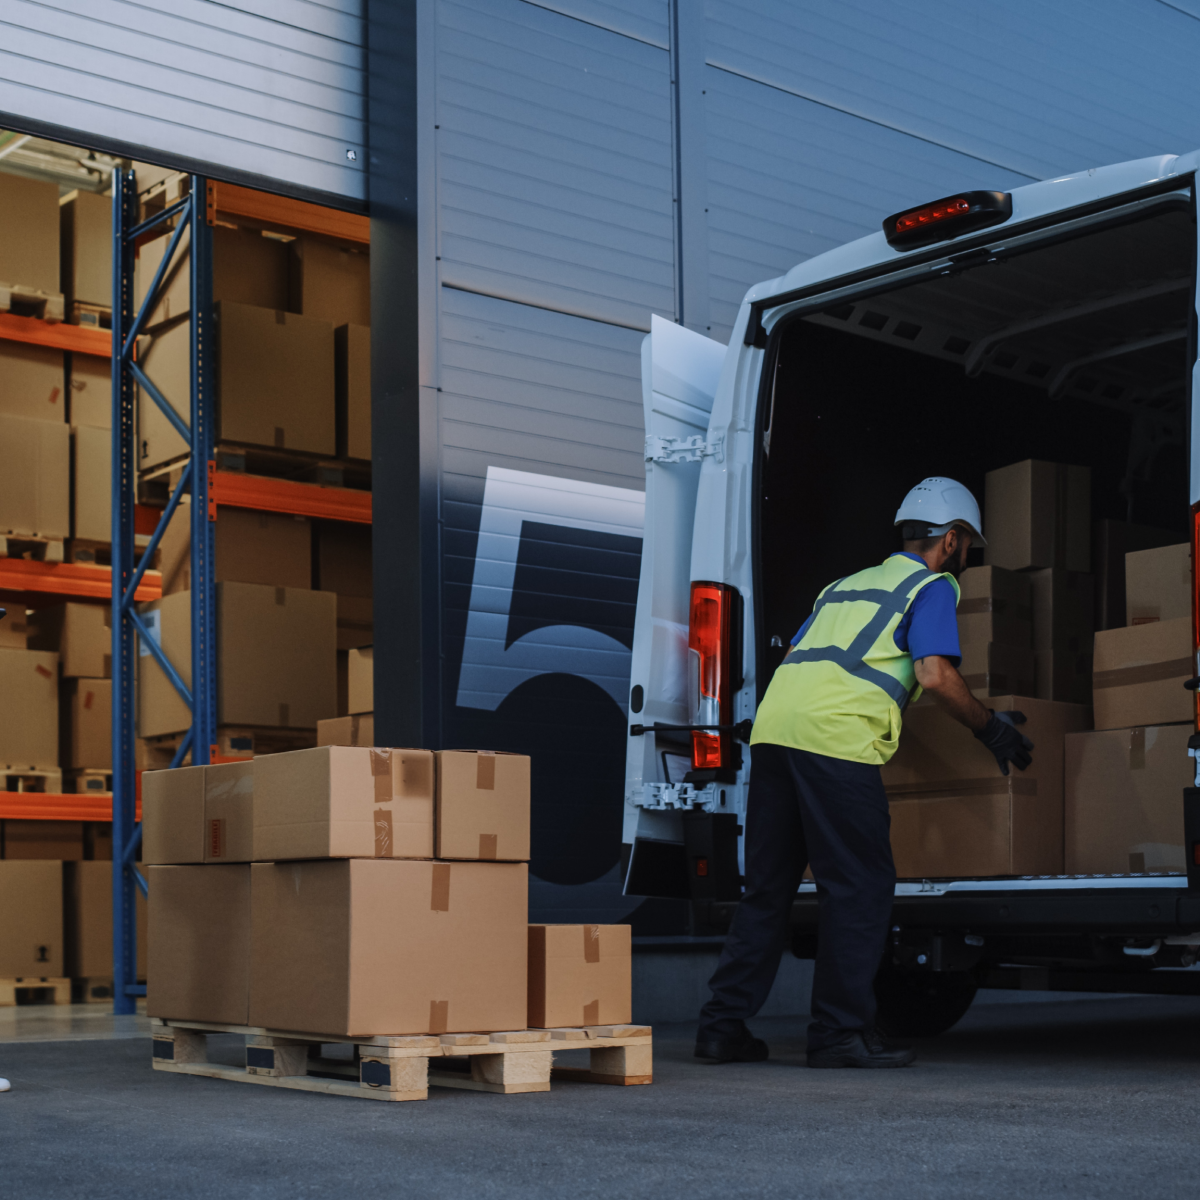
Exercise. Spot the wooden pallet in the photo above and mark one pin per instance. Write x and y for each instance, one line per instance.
(620, 1054)
(92, 781)
(34, 989)
(94, 316)
(89, 550)
(35, 549)
(16, 778)
(24, 301)
(384, 1068)
(233, 741)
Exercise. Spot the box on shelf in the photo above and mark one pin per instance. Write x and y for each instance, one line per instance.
(173, 816)
(91, 517)
(482, 805)
(164, 356)
(276, 659)
(1139, 673)
(1063, 624)
(330, 282)
(90, 390)
(1039, 514)
(344, 802)
(399, 947)
(14, 628)
(175, 291)
(360, 691)
(1124, 800)
(86, 723)
(998, 669)
(88, 921)
(35, 476)
(81, 635)
(249, 267)
(198, 951)
(352, 358)
(85, 231)
(1111, 542)
(994, 606)
(343, 565)
(32, 380)
(952, 811)
(61, 840)
(580, 975)
(31, 934)
(347, 731)
(1158, 584)
(28, 709)
(32, 259)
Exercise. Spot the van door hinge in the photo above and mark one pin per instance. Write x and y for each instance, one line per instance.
(677, 450)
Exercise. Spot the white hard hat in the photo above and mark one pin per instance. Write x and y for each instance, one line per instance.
(939, 504)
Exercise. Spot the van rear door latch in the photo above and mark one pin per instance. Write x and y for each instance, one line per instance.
(676, 450)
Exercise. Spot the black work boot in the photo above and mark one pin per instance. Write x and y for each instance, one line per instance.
(855, 1050)
(742, 1046)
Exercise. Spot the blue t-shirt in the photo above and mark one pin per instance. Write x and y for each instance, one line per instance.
(929, 627)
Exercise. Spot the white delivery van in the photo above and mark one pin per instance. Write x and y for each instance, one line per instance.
(1055, 322)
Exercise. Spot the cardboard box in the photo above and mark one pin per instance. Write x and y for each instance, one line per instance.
(229, 812)
(14, 627)
(31, 259)
(1063, 624)
(1111, 542)
(1064, 674)
(276, 659)
(199, 943)
(352, 363)
(88, 921)
(1038, 514)
(1124, 800)
(87, 723)
(250, 268)
(343, 802)
(995, 606)
(996, 669)
(580, 975)
(360, 696)
(250, 547)
(29, 710)
(331, 282)
(81, 635)
(482, 805)
(85, 233)
(173, 816)
(1158, 584)
(31, 934)
(275, 379)
(39, 840)
(954, 814)
(1139, 673)
(175, 292)
(90, 391)
(35, 477)
(347, 731)
(399, 947)
(91, 516)
(32, 381)
(166, 359)
(343, 565)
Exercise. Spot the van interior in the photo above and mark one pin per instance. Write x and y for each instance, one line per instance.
(1077, 350)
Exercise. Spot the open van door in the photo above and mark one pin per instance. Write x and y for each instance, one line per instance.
(680, 371)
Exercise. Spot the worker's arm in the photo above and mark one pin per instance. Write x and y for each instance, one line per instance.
(940, 678)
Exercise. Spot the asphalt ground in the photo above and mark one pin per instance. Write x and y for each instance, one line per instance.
(1093, 1098)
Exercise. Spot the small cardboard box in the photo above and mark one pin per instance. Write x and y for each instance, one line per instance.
(360, 692)
(173, 816)
(199, 943)
(330, 282)
(86, 708)
(580, 975)
(1111, 542)
(29, 710)
(398, 947)
(1063, 624)
(347, 731)
(89, 903)
(1038, 514)
(344, 802)
(32, 258)
(91, 502)
(91, 390)
(995, 606)
(1124, 806)
(81, 635)
(31, 382)
(85, 229)
(229, 812)
(997, 669)
(1158, 584)
(35, 477)
(31, 934)
(1139, 675)
(62, 840)
(14, 628)
(352, 359)
(482, 805)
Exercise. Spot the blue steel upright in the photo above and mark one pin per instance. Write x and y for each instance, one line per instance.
(193, 217)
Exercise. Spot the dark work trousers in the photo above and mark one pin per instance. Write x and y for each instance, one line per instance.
(807, 808)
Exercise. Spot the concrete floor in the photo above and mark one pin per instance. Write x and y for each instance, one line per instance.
(1083, 1098)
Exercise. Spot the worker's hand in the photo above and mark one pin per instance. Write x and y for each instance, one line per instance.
(1002, 737)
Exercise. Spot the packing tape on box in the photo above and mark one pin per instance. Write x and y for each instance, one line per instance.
(485, 770)
(591, 943)
(993, 604)
(998, 683)
(951, 789)
(381, 773)
(383, 833)
(1176, 668)
(439, 1016)
(487, 847)
(1137, 749)
(591, 1013)
(439, 898)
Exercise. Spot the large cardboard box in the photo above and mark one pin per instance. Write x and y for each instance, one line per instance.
(1124, 800)
(360, 692)
(275, 379)
(1139, 675)
(1111, 542)
(1038, 514)
(995, 606)
(31, 934)
(343, 565)
(954, 814)
(352, 358)
(173, 816)
(580, 975)
(85, 231)
(1063, 623)
(347, 731)
(29, 710)
(276, 659)
(91, 390)
(35, 477)
(91, 502)
(81, 635)
(88, 920)
(229, 812)
(250, 267)
(61, 840)
(165, 357)
(199, 943)
(997, 669)
(32, 381)
(331, 282)
(31, 259)
(1158, 584)
(399, 947)
(87, 723)
(482, 805)
(14, 628)
(344, 802)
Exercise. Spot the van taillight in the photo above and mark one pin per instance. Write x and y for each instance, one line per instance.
(711, 635)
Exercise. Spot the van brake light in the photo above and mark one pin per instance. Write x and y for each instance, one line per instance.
(712, 631)
(946, 218)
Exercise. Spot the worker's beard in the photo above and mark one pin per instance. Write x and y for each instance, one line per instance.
(958, 563)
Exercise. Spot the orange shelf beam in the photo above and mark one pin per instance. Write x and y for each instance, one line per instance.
(237, 201)
(69, 579)
(265, 494)
(54, 806)
(56, 335)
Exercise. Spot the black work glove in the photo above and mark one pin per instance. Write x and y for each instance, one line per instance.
(1002, 737)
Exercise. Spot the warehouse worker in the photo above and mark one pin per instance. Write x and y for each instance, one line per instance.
(829, 720)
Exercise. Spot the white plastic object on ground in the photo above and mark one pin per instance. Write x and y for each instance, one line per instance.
(4, 1085)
